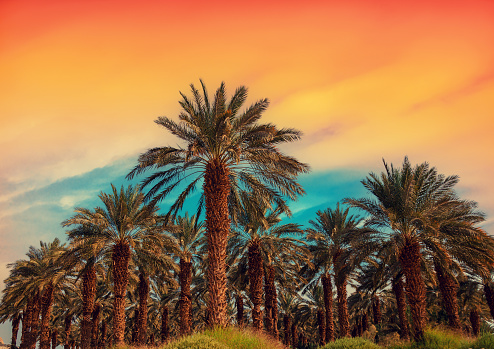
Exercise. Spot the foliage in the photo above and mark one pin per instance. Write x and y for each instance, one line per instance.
(351, 343)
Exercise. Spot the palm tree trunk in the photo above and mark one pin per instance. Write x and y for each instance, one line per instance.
(287, 323)
(95, 326)
(54, 338)
(365, 322)
(68, 325)
(104, 329)
(88, 297)
(32, 331)
(255, 282)
(15, 330)
(489, 296)
(164, 325)
(328, 305)
(216, 190)
(321, 324)
(185, 300)
(26, 322)
(342, 306)
(376, 310)
(401, 303)
(475, 321)
(240, 310)
(134, 328)
(415, 288)
(143, 308)
(121, 256)
(46, 306)
(294, 336)
(270, 303)
(449, 290)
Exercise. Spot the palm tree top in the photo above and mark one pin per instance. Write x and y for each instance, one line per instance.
(123, 217)
(215, 131)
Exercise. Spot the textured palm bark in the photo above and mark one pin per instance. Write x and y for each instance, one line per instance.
(270, 303)
(95, 325)
(415, 288)
(54, 338)
(185, 300)
(30, 333)
(376, 310)
(88, 297)
(449, 292)
(341, 281)
(143, 308)
(67, 327)
(26, 322)
(165, 333)
(321, 324)
(328, 306)
(287, 324)
(46, 307)
(15, 329)
(240, 310)
(475, 321)
(134, 327)
(104, 330)
(489, 296)
(397, 285)
(255, 283)
(121, 256)
(343, 309)
(216, 189)
(294, 336)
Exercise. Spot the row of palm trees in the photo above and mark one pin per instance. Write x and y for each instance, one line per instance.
(123, 259)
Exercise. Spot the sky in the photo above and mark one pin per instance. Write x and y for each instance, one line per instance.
(82, 82)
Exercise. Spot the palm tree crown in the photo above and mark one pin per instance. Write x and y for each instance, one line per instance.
(230, 151)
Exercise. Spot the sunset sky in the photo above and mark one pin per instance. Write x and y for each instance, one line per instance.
(81, 83)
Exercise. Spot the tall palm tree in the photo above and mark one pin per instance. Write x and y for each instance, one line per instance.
(120, 225)
(228, 150)
(261, 242)
(185, 243)
(406, 204)
(150, 257)
(34, 282)
(331, 247)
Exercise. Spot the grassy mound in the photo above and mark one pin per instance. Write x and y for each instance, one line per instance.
(444, 339)
(226, 338)
(351, 343)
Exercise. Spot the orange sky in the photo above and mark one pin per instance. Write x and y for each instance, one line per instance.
(82, 81)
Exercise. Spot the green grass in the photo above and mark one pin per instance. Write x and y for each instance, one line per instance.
(351, 343)
(444, 339)
(226, 338)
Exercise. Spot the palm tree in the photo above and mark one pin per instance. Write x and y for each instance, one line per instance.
(185, 242)
(34, 282)
(331, 247)
(407, 204)
(119, 226)
(261, 242)
(227, 149)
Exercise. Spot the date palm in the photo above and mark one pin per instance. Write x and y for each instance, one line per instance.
(406, 205)
(264, 244)
(330, 242)
(120, 226)
(185, 243)
(34, 282)
(225, 149)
